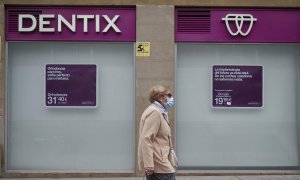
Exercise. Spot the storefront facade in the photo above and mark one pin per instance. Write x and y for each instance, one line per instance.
(76, 80)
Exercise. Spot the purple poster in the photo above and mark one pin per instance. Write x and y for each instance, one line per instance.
(237, 86)
(71, 85)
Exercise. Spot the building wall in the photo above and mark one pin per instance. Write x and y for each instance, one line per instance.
(155, 24)
(2, 56)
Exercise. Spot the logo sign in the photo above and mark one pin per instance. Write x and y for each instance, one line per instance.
(71, 85)
(44, 21)
(240, 21)
(70, 23)
(143, 49)
(237, 86)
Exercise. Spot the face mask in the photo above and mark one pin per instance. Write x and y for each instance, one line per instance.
(169, 103)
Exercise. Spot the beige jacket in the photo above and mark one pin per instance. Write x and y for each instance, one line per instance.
(153, 148)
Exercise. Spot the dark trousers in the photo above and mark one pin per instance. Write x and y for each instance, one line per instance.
(161, 176)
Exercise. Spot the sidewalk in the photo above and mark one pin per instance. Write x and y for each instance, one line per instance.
(266, 177)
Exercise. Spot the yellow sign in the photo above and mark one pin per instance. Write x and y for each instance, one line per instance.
(143, 49)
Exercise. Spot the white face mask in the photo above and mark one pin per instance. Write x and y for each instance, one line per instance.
(169, 103)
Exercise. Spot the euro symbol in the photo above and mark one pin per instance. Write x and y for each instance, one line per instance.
(239, 20)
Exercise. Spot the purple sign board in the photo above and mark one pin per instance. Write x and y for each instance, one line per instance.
(237, 25)
(71, 85)
(38, 23)
(237, 86)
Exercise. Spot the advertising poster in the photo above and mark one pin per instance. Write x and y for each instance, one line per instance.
(72, 85)
(237, 86)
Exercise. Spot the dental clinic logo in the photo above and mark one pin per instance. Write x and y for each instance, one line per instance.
(240, 20)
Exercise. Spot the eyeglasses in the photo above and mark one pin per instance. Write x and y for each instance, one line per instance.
(169, 95)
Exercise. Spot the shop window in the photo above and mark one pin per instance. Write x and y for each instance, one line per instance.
(95, 139)
(260, 137)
